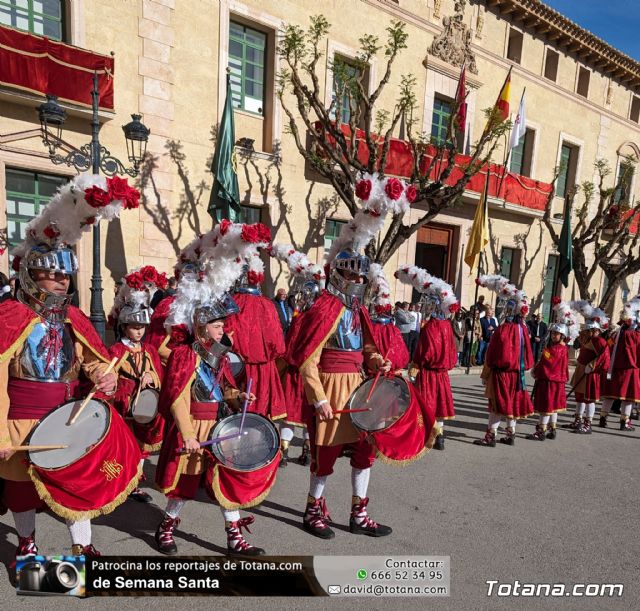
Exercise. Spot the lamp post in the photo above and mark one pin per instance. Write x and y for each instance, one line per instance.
(96, 157)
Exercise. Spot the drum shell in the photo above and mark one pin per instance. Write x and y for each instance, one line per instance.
(140, 410)
(97, 482)
(379, 403)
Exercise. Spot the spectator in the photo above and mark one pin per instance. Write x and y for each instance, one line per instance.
(285, 313)
(472, 337)
(537, 333)
(488, 324)
(414, 335)
(459, 327)
(172, 286)
(481, 307)
(405, 321)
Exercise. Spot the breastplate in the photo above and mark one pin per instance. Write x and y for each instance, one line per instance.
(204, 388)
(48, 352)
(348, 335)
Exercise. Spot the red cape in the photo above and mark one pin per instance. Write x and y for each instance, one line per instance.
(388, 339)
(156, 333)
(504, 348)
(627, 355)
(16, 320)
(553, 365)
(595, 350)
(258, 336)
(436, 347)
(312, 327)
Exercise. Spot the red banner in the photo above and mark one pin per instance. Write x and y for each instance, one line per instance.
(39, 65)
(512, 188)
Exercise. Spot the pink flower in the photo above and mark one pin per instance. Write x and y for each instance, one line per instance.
(393, 188)
(411, 193)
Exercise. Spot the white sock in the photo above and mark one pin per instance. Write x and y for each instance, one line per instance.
(305, 434)
(554, 417)
(626, 410)
(25, 522)
(591, 409)
(494, 421)
(580, 409)
(360, 481)
(174, 507)
(230, 516)
(606, 407)
(80, 532)
(512, 425)
(316, 485)
(544, 420)
(440, 425)
(286, 432)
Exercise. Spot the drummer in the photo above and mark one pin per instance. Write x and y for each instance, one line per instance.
(435, 354)
(46, 344)
(200, 384)
(138, 365)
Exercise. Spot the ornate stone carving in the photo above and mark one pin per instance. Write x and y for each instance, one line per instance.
(454, 44)
(437, 5)
(479, 21)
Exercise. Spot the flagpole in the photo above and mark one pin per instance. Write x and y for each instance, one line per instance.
(509, 149)
(475, 312)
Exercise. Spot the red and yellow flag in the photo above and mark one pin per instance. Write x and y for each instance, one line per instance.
(500, 110)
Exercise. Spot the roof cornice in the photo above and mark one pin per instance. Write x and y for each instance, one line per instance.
(536, 16)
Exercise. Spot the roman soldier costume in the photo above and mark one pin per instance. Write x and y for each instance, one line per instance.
(198, 385)
(308, 280)
(592, 362)
(508, 357)
(436, 352)
(48, 348)
(551, 372)
(622, 380)
(138, 364)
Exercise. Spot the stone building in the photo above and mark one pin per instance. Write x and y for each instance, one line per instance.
(166, 60)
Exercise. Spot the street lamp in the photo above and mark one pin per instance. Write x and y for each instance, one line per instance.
(96, 157)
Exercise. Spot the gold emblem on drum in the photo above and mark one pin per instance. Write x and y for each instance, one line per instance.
(420, 421)
(111, 469)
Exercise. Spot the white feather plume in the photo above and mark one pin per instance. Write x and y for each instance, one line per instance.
(504, 289)
(588, 312)
(379, 289)
(299, 264)
(567, 316)
(425, 283)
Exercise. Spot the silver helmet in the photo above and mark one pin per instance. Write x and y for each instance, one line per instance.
(132, 314)
(430, 305)
(305, 292)
(214, 310)
(589, 324)
(559, 327)
(351, 261)
(60, 259)
(242, 284)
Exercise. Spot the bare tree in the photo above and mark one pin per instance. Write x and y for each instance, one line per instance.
(331, 139)
(606, 235)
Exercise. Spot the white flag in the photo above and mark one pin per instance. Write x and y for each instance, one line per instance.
(519, 125)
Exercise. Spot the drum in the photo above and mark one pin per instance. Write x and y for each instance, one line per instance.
(236, 364)
(389, 402)
(97, 469)
(145, 409)
(400, 426)
(258, 445)
(244, 468)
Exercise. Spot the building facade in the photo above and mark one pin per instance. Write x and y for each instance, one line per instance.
(167, 61)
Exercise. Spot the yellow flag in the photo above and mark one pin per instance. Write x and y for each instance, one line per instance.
(479, 230)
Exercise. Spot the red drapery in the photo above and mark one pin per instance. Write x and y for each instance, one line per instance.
(39, 65)
(513, 188)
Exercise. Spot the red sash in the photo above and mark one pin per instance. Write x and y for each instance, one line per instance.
(204, 411)
(339, 361)
(31, 400)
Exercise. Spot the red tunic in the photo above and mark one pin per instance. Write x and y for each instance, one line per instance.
(593, 353)
(625, 373)
(508, 351)
(149, 436)
(435, 355)
(258, 339)
(156, 334)
(388, 339)
(292, 385)
(551, 373)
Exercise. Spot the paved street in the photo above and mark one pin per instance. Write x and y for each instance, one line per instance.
(561, 511)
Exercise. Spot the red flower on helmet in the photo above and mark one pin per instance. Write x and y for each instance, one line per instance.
(15, 265)
(119, 189)
(135, 281)
(393, 188)
(411, 193)
(555, 301)
(454, 307)
(255, 277)
(478, 282)
(97, 197)
(382, 308)
(524, 310)
(363, 189)
(161, 281)
(225, 224)
(148, 273)
(256, 233)
(51, 232)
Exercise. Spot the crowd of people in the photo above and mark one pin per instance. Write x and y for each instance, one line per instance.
(215, 377)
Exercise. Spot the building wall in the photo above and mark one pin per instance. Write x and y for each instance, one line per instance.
(170, 66)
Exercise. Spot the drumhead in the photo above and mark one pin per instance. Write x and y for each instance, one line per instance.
(146, 407)
(256, 447)
(388, 403)
(236, 365)
(83, 434)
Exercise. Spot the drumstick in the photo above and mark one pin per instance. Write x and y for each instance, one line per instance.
(352, 411)
(223, 438)
(92, 393)
(34, 448)
(375, 381)
(246, 403)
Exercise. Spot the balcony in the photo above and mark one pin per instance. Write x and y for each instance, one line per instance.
(33, 66)
(513, 189)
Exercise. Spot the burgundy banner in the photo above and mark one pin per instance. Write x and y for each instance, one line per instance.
(39, 65)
